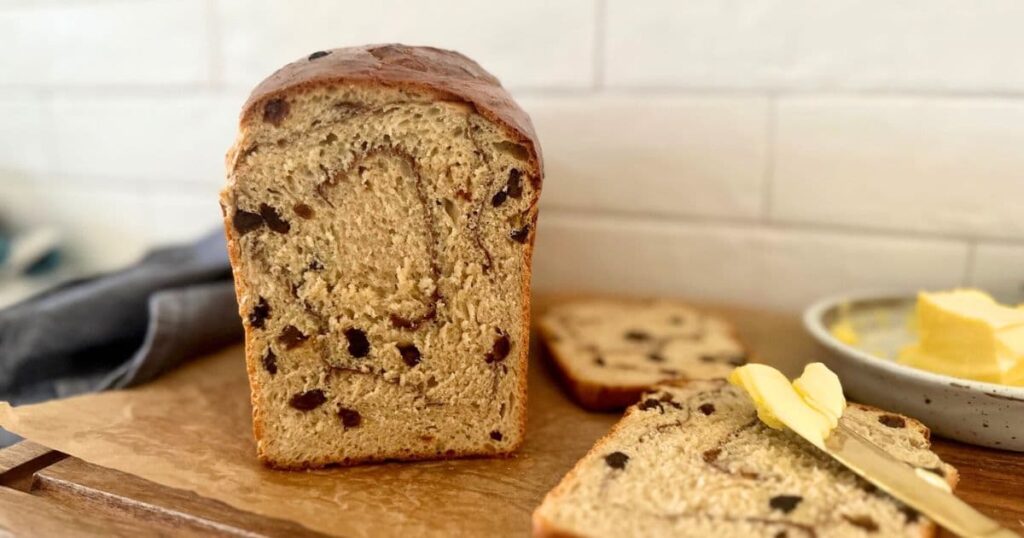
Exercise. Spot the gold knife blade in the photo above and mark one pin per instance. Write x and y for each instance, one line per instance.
(900, 480)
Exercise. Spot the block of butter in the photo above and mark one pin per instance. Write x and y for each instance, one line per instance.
(965, 333)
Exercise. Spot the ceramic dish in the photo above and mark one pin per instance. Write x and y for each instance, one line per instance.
(979, 413)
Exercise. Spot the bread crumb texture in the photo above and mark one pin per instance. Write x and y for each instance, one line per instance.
(694, 460)
(381, 241)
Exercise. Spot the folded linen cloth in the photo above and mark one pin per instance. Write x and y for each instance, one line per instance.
(119, 329)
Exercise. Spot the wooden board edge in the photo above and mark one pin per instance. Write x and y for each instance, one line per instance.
(92, 488)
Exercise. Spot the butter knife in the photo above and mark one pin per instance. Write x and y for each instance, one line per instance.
(901, 481)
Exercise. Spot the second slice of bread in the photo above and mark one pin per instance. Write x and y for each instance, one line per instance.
(694, 460)
(608, 352)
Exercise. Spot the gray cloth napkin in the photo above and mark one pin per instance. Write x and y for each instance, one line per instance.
(119, 329)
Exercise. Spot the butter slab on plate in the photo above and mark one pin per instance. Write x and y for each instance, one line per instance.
(984, 414)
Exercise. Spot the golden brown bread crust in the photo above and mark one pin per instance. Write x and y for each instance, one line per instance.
(442, 74)
(445, 74)
(590, 396)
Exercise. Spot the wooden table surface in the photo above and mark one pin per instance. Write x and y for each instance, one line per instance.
(44, 493)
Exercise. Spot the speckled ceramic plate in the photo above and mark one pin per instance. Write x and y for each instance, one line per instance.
(979, 413)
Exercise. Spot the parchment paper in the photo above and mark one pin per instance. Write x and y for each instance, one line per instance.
(192, 430)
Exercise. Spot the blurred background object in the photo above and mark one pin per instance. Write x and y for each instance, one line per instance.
(758, 152)
(112, 330)
(29, 262)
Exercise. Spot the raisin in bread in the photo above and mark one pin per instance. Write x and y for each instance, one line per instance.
(608, 352)
(692, 459)
(380, 213)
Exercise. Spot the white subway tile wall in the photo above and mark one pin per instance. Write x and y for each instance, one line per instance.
(689, 155)
(949, 166)
(917, 45)
(150, 138)
(106, 44)
(23, 135)
(737, 263)
(528, 43)
(997, 268)
(759, 151)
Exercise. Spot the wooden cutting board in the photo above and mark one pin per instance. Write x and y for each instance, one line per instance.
(44, 493)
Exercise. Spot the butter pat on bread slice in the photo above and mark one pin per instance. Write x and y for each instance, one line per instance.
(810, 406)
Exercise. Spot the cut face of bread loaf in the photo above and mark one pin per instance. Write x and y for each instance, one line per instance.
(380, 213)
(694, 460)
(608, 352)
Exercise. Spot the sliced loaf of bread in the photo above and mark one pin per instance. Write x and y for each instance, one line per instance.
(608, 352)
(380, 213)
(693, 459)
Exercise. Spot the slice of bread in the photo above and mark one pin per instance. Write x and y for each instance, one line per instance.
(608, 352)
(692, 459)
(380, 214)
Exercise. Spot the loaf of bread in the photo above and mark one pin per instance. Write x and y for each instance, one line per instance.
(693, 459)
(608, 352)
(380, 210)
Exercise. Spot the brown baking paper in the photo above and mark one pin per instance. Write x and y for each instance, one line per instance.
(192, 430)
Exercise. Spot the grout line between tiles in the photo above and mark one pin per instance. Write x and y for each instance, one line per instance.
(754, 223)
(106, 185)
(592, 89)
(27, 5)
(118, 91)
(785, 92)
